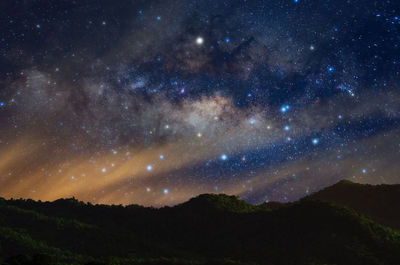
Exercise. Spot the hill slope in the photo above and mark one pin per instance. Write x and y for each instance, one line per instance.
(208, 229)
(381, 203)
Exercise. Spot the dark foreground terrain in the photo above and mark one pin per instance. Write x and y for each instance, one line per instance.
(343, 224)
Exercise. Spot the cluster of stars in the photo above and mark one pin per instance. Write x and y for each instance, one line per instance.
(285, 108)
(229, 100)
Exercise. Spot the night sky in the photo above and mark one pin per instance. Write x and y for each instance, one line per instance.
(154, 102)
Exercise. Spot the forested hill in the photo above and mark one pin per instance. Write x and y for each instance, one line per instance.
(208, 229)
(379, 202)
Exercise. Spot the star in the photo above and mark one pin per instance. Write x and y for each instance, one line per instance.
(199, 40)
(285, 108)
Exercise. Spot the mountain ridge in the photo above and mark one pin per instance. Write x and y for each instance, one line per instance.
(379, 202)
(207, 229)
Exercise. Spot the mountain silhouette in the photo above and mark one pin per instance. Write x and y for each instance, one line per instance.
(205, 203)
(381, 203)
(207, 229)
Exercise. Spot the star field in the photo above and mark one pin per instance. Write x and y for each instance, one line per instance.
(154, 102)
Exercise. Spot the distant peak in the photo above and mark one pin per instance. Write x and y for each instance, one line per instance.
(347, 182)
(221, 202)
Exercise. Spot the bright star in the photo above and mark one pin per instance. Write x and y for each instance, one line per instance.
(166, 191)
(224, 157)
(161, 156)
(315, 141)
(104, 170)
(199, 41)
(149, 168)
(285, 108)
(287, 128)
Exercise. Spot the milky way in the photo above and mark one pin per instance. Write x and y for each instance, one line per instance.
(154, 102)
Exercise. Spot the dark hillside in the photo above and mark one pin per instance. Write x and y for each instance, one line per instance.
(379, 202)
(208, 229)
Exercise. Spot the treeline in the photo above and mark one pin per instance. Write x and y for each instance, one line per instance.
(208, 229)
